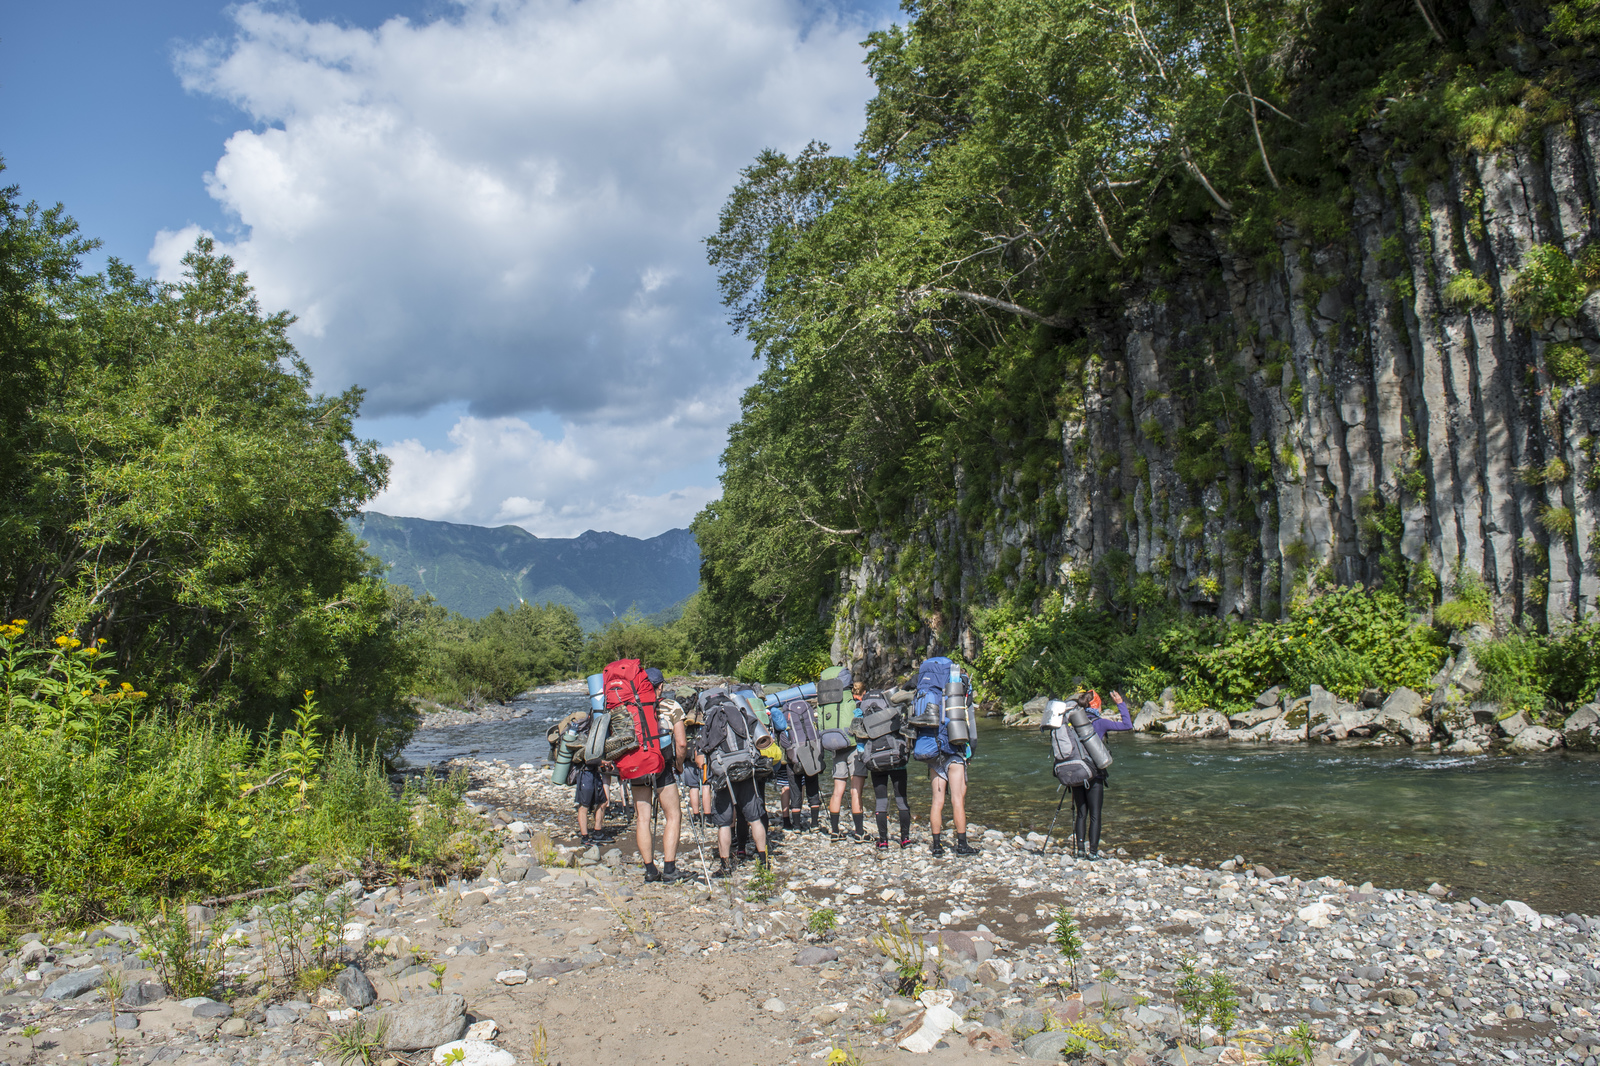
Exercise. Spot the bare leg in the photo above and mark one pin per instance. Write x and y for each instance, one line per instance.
(958, 795)
(672, 823)
(936, 815)
(641, 824)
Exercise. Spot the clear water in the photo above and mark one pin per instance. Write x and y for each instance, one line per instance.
(1524, 828)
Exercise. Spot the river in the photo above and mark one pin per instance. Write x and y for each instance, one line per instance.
(1496, 827)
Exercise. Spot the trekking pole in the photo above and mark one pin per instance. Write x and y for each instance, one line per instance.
(1046, 845)
(700, 848)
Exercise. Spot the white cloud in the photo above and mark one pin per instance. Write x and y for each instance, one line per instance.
(504, 206)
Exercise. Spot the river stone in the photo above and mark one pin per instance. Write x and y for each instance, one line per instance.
(1046, 1046)
(815, 955)
(354, 986)
(1581, 730)
(1515, 724)
(211, 1009)
(1536, 738)
(73, 985)
(1254, 716)
(1405, 701)
(1322, 706)
(142, 994)
(1416, 730)
(424, 1023)
(278, 1017)
(1270, 698)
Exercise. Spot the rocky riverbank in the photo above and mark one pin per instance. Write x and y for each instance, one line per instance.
(1454, 718)
(539, 961)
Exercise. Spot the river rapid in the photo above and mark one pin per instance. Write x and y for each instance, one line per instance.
(1495, 827)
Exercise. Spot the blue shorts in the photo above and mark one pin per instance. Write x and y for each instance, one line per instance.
(588, 791)
(940, 767)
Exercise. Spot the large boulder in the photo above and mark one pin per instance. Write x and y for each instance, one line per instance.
(1270, 698)
(1405, 701)
(1148, 716)
(1323, 710)
(1201, 726)
(1536, 738)
(1581, 730)
(1254, 715)
(1515, 724)
(1466, 675)
(1415, 730)
(1283, 732)
(425, 1022)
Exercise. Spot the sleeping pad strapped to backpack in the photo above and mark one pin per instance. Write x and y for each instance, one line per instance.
(631, 699)
(880, 721)
(1072, 765)
(836, 708)
(802, 746)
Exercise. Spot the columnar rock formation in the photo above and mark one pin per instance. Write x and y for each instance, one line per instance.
(1385, 401)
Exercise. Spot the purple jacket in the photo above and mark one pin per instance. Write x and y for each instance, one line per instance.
(1102, 726)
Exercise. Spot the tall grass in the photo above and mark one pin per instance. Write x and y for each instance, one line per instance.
(106, 807)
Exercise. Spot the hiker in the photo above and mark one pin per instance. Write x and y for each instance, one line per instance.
(947, 755)
(886, 755)
(801, 743)
(848, 768)
(662, 786)
(690, 779)
(727, 757)
(1089, 798)
(589, 799)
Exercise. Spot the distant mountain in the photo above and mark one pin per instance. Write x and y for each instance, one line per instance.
(474, 569)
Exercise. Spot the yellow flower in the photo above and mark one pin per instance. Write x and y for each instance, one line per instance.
(65, 641)
(308, 694)
(91, 651)
(127, 687)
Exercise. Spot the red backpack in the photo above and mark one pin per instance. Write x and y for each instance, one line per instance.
(627, 689)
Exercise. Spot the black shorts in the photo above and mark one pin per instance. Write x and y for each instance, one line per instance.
(588, 791)
(666, 777)
(745, 793)
(691, 776)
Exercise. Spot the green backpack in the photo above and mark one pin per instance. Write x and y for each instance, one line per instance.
(835, 709)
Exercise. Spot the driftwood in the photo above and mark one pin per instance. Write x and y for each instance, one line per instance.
(254, 893)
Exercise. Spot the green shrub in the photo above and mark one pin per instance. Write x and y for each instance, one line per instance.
(793, 657)
(1567, 363)
(1548, 287)
(1471, 606)
(1515, 671)
(1466, 290)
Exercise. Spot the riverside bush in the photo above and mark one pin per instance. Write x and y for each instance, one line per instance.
(106, 805)
(1345, 640)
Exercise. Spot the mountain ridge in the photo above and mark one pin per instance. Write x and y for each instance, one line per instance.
(474, 569)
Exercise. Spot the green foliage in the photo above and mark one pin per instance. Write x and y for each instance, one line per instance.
(1466, 291)
(1549, 286)
(669, 648)
(1064, 935)
(793, 657)
(822, 921)
(169, 482)
(1567, 363)
(110, 801)
(188, 960)
(1471, 605)
(1523, 670)
(492, 658)
(1558, 521)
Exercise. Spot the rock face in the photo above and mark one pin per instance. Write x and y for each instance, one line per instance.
(424, 1023)
(1371, 388)
(1581, 731)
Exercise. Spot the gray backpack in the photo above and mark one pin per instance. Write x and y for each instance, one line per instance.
(734, 759)
(1072, 763)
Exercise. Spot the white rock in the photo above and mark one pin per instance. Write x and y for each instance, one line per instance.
(1316, 915)
(934, 1023)
(937, 997)
(511, 977)
(854, 890)
(1347, 1041)
(482, 1030)
(1521, 912)
(517, 827)
(775, 1005)
(474, 1053)
(354, 932)
(1211, 936)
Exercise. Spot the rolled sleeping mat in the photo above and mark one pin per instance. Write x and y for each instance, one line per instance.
(807, 691)
(594, 749)
(756, 705)
(597, 692)
(1093, 745)
(562, 768)
(957, 711)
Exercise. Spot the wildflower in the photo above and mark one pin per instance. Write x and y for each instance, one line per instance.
(68, 642)
(127, 687)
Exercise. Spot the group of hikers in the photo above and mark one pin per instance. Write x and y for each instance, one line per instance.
(720, 749)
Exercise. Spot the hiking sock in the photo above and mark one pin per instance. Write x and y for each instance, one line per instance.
(670, 866)
(787, 822)
(651, 873)
(762, 862)
(937, 843)
(859, 820)
(905, 825)
(961, 838)
(816, 817)
(833, 820)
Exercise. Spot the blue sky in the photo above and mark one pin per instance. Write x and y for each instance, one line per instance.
(487, 214)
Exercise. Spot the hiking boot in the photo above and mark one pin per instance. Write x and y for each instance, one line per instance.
(963, 848)
(722, 872)
(602, 836)
(653, 874)
(905, 842)
(937, 849)
(859, 836)
(883, 845)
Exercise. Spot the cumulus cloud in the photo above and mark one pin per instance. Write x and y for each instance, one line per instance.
(504, 206)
